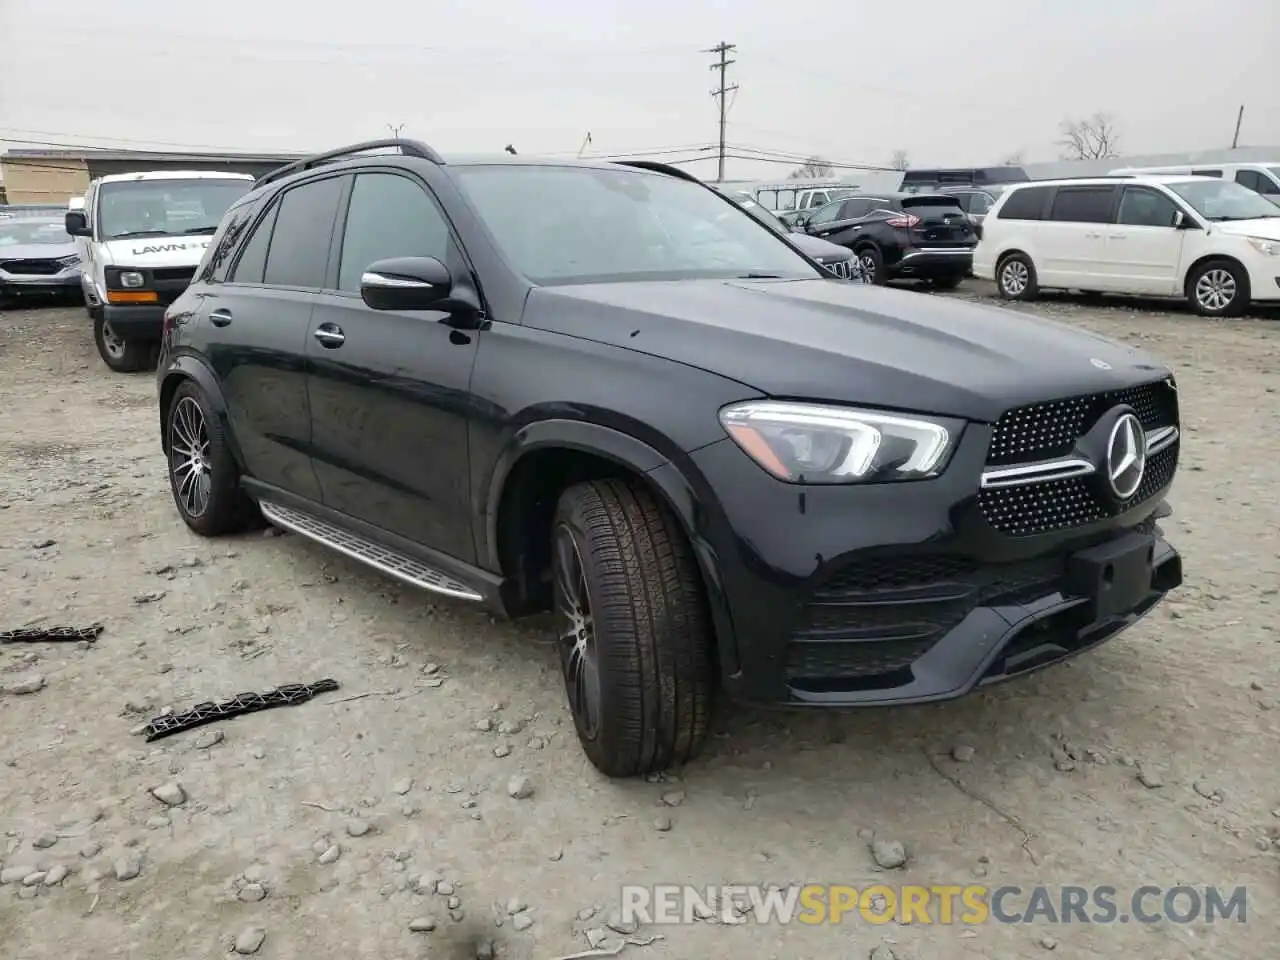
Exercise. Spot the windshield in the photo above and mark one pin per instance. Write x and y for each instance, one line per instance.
(18, 229)
(1221, 200)
(764, 216)
(584, 224)
(164, 208)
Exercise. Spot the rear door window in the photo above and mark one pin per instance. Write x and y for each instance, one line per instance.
(827, 214)
(1025, 204)
(1082, 204)
(253, 258)
(299, 253)
(856, 209)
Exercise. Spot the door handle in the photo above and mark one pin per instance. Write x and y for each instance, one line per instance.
(220, 317)
(1093, 236)
(330, 335)
(1117, 236)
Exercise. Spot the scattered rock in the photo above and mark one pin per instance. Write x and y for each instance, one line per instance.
(170, 794)
(889, 854)
(330, 854)
(44, 544)
(510, 728)
(1062, 760)
(556, 856)
(502, 750)
(33, 879)
(1263, 844)
(618, 924)
(430, 669)
(128, 866)
(90, 849)
(209, 739)
(1150, 778)
(516, 905)
(56, 875)
(401, 787)
(520, 787)
(536, 743)
(1208, 791)
(1048, 942)
(158, 822)
(455, 903)
(484, 724)
(960, 753)
(522, 922)
(422, 925)
(45, 841)
(882, 952)
(484, 950)
(33, 683)
(358, 828)
(673, 798)
(253, 893)
(13, 874)
(662, 824)
(257, 753)
(444, 888)
(250, 941)
(152, 596)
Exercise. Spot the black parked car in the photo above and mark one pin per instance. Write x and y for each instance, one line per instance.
(577, 386)
(838, 261)
(900, 236)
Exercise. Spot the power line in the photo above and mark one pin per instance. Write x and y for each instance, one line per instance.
(723, 50)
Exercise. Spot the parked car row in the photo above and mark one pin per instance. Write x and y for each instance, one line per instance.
(605, 391)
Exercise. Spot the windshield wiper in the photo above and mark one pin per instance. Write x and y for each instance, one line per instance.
(195, 230)
(138, 233)
(758, 276)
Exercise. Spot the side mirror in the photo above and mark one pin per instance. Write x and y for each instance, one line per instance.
(76, 223)
(406, 283)
(1182, 222)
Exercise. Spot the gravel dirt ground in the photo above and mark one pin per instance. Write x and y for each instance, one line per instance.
(325, 827)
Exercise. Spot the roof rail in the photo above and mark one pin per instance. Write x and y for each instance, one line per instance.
(409, 148)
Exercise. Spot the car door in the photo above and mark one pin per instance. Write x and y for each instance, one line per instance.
(389, 389)
(1144, 246)
(255, 328)
(825, 220)
(1072, 240)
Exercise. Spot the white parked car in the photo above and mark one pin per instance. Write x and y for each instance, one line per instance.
(1212, 241)
(1261, 177)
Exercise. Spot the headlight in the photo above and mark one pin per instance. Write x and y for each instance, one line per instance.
(69, 261)
(1269, 248)
(815, 443)
(132, 278)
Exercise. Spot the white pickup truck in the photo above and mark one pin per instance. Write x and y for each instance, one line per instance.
(140, 237)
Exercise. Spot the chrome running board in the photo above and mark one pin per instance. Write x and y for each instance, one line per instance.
(375, 555)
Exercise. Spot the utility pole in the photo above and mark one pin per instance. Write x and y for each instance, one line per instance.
(1235, 141)
(722, 49)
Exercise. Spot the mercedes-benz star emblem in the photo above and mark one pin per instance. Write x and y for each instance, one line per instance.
(1126, 456)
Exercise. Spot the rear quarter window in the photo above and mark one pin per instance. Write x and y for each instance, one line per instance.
(1026, 203)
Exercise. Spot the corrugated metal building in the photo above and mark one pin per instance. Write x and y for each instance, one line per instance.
(55, 176)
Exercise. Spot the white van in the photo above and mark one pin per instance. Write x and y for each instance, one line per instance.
(1209, 240)
(1263, 178)
(140, 237)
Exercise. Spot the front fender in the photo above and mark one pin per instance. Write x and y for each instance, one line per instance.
(677, 482)
(187, 366)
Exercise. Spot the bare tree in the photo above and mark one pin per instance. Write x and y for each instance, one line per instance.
(1094, 138)
(899, 160)
(815, 168)
(1013, 160)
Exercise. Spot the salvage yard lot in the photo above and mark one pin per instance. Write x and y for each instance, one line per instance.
(410, 782)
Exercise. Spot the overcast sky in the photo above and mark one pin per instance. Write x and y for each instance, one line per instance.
(951, 83)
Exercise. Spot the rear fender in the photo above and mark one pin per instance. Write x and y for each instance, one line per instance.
(189, 367)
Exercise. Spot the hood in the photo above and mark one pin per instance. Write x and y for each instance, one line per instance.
(1268, 228)
(824, 251)
(180, 251)
(37, 251)
(847, 343)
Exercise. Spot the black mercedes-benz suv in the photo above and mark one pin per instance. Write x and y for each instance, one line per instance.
(579, 386)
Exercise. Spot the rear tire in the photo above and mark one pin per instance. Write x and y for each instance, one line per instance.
(1016, 277)
(634, 629)
(121, 355)
(872, 263)
(1219, 288)
(203, 475)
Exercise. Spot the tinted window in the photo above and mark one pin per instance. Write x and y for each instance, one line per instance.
(1082, 204)
(1206, 173)
(853, 209)
(253, 260)
(816, 200)
(304, 228)
(1256, 181)
(580, 224)
(1025, 204)
(1146, 208)
(389, 216)
(828, 213)
(979, 203)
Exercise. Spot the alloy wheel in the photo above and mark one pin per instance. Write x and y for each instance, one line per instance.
(868, 267)
(575, 625)
(189, 457)
(1014, 278)
(1216, 289)
(112, 342)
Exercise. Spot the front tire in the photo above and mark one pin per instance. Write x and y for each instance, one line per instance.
(203, 475)
(633, 626)
(1016, 278)
(1219, 288)
(121, 355)
(872, 263)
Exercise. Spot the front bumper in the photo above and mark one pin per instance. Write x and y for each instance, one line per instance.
(936, 262)
(68, 281)
(897, 593)
(135, 321)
